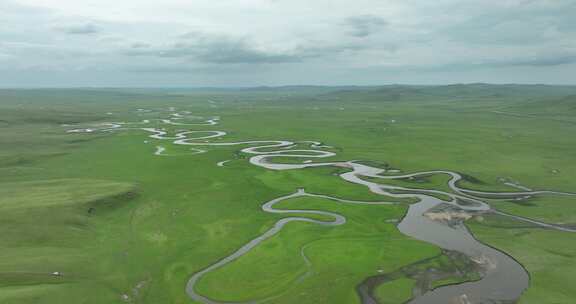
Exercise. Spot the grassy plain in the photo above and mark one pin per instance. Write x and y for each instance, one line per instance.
(123, 225)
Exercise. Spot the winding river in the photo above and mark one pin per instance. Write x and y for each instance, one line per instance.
(430, 219)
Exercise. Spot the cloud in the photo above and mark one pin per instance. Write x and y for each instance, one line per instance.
(276, 41)
(543, 61)
(210, 48)
(79, 29)
(512, 23)
(364, 25)
(163, 69)
(216, 49)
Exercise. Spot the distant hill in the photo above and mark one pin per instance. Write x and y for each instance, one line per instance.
(468, 91)
(385, 93)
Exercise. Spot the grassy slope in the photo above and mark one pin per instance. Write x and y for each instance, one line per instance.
(340, 256)
(189, 212)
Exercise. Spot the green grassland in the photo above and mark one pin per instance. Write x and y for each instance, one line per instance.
(120, 224)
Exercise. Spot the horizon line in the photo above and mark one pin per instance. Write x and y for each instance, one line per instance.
(239, 87)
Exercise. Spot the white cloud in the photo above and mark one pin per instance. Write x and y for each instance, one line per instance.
(287, 36)
(79, 29)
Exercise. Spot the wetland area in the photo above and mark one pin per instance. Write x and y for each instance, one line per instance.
(288, 195)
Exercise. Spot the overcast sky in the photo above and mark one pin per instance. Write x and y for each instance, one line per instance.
(280, 42)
